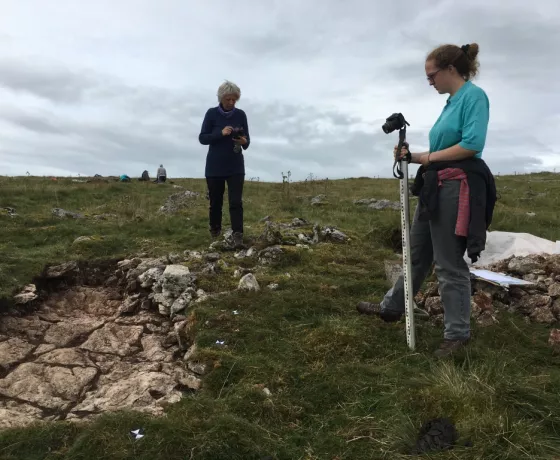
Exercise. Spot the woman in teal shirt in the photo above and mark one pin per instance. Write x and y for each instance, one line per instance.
(456, 143)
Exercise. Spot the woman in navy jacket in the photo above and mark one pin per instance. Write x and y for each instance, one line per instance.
(226, 132)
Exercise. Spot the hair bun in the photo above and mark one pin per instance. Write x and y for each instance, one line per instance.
(471, 50)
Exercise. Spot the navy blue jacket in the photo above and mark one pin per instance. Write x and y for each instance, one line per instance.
(222, 160)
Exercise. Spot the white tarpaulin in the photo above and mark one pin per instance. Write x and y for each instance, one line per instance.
(501, 245)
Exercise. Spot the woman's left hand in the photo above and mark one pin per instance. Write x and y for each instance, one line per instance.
(240, 140)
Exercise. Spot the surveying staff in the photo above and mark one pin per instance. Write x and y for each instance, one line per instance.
(226, 132)
(456, 196)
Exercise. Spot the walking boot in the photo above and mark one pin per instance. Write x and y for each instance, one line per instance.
(374, 309)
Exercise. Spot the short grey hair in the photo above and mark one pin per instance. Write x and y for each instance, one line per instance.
(228, 87)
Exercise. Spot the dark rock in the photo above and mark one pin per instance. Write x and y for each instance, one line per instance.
(436, 435)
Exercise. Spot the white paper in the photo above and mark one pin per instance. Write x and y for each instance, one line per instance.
(499, 278)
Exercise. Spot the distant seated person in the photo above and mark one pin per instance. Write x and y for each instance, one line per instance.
(161, 174)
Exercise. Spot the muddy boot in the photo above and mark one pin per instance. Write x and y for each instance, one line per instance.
(238, 240)
(374, 309)
(215, 232)
(448, 347)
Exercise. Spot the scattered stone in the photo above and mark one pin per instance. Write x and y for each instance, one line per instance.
(129, 264)
(298, 222)
(178, 201)
(554, 290)
(319, 200)
(151, 277)
(528, 303)
(538, 302)
(212, 257)
(554, 338)
(10, 211)
(525, 265)
(556, 308)
(62, 213)
(273, 286)
(271, 235)
(183, 301)
(486, 319)
(67, 269)
(130, 305)
(481, 303)
(175, 258)
(198, 368)
(249, 283)
(434, 306)
(82, 239)
(241, 271)
(365, 201)
(333, 235)
(270, 255)
(245, 253)
(543, 315)
(28, 294)
(193, 255)
(201, 295)
(384, 204)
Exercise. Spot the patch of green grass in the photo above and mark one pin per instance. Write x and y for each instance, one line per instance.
(341, 386)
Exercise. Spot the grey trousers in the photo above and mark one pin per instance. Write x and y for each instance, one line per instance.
(435, 242)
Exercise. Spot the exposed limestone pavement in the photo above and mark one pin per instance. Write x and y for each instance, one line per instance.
(87, 339)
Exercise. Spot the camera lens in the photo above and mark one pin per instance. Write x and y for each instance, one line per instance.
(389, 127)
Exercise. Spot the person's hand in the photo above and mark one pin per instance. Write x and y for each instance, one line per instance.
(227, 131)
(240, 140)
(404, 152)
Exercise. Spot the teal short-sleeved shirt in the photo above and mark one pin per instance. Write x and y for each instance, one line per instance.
(463, 121)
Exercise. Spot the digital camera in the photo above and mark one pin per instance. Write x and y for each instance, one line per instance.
(238, 132)
(395, 121)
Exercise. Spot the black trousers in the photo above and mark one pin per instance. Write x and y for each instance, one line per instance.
(216, 189)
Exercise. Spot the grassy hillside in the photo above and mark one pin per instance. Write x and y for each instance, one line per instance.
(342, 386)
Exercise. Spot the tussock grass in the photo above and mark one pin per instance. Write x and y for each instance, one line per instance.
(341, 386)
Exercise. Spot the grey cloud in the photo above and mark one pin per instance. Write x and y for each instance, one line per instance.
(359, 62)
(36, 123)
(55, 84)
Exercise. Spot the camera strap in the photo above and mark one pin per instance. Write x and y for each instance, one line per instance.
(407, 158)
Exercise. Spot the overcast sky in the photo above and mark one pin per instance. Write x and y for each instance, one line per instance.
(116, 87)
